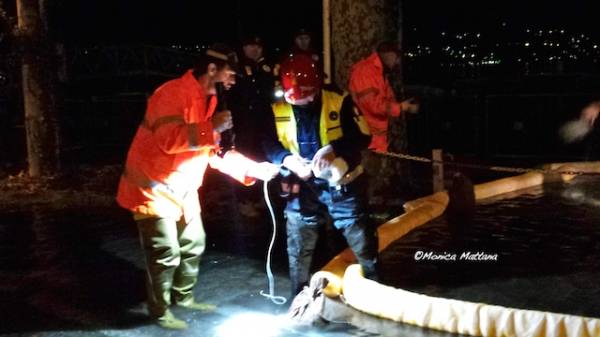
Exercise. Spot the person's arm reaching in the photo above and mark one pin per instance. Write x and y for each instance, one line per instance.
(346, 149)
(242, 168)
(275, 151)
(590, 112)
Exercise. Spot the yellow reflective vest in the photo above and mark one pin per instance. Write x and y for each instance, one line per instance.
(330, 127)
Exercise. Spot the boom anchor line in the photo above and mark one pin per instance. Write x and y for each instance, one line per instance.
(489, 167)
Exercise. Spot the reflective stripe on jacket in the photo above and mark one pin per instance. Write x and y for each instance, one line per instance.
(374, 97)
(329, 126)
(170, 151)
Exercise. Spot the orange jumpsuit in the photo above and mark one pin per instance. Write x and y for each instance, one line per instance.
(374, 97)
(164, 169)
(170, 151)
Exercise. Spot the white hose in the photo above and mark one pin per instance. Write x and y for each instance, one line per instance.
(280, 300)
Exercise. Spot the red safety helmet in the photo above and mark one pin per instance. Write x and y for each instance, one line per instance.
(300, 78)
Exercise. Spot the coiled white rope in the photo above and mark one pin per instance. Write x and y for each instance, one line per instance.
(280, 300)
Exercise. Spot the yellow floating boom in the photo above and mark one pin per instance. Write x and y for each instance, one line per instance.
(476, 319)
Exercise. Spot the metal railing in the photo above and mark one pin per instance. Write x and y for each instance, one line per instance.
(126, 61)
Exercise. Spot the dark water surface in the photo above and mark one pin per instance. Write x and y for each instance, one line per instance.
(79, 271)
(546, 241)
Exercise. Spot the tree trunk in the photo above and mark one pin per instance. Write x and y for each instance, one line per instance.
(39, 79)
(398, 132)
(357, 27)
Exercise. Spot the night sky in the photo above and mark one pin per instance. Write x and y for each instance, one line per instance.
(191, 22)
(187, 22)
(471, 14)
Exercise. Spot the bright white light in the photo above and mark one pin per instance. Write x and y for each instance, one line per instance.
(252, 324)
(279, 93)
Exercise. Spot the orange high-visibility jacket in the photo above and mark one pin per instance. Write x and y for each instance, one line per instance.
(170, 151)
(373, 95)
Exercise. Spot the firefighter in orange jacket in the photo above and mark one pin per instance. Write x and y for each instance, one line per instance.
(373, 94)
(165, 165)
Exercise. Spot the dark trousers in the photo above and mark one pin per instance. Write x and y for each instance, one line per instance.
(310, 210)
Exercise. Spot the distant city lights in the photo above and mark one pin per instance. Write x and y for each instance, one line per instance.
(545, 48)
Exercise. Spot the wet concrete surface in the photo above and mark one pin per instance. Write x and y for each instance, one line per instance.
(79, 272)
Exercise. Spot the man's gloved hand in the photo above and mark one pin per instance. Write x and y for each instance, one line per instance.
(222, 121)
(326, 165)
(410, 105)
(590, 112)
(290, 186)
(263, 171)
(323, 159)
(298, 165)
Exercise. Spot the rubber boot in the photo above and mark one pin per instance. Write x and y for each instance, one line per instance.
(191, 304)
(169, 321)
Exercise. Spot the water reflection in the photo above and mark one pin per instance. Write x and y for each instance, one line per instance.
(55, 272)
(578, 193)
